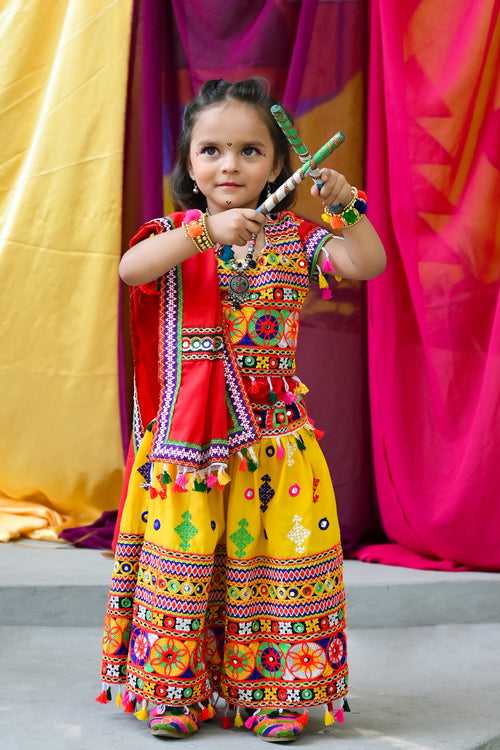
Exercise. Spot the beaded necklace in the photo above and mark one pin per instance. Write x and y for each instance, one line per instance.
(239, 285)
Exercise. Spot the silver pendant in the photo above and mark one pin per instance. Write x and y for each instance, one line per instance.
(239, 289)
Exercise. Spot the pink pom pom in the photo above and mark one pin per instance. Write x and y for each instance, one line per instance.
(326, 294)
(339, 716)
(250, 722)
(192, 215)
(212, 480)
(281, 451)
(289, 398)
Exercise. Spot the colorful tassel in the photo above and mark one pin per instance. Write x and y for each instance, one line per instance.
(200, 485)
(346, 706)
(328, 719)
(327, 266)
(118, 699)
(300, 443)
(238, 721)
(180, 482)
(190, 481)
(164, 478)
(143, 713)
(243, 462)
(300, 388)
(303, 719)
(339, 715)
(153, 492)
(103, 695)
(326, 293)
(323, 283)
(212, 480)
(252, 720)
(223, 477)
(280, 453)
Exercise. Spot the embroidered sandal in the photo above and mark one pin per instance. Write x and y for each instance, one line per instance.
(277, 724)
(176, 722)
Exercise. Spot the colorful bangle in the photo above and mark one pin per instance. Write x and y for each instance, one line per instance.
(348, 215)
(195, 228)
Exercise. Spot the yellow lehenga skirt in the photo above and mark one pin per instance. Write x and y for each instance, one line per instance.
(238, 591)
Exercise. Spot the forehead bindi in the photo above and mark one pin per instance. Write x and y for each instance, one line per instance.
(230, 122)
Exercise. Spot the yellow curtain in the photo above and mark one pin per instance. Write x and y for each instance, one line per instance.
(63, 82)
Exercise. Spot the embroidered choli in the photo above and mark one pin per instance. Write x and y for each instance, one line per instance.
(264, 330)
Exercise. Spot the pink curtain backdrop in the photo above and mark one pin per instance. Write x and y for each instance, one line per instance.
(434, 317)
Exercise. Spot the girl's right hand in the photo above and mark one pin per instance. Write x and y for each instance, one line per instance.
(234, 226)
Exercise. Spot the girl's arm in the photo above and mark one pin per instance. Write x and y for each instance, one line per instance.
(359, 253)
(151, 258)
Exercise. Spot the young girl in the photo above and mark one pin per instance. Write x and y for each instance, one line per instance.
(228, 564)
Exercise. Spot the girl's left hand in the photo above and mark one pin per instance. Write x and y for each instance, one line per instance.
(336, 189)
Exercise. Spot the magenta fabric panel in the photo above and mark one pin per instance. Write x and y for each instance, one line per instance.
(434, 315)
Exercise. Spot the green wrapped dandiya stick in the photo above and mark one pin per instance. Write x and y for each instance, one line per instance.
(295, 140)
(311, 164)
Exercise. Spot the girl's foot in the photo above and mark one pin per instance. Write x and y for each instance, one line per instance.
(176, 722)
(277, 724)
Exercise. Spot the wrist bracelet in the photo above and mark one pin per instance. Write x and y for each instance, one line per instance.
(195, 228)
(349, 215)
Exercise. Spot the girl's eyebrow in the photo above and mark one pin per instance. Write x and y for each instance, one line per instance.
(213, 142)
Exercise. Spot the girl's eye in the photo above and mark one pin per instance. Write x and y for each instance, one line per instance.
(209, 150)
(250, 151)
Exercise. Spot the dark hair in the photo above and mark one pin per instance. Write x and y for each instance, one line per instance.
(251, 91)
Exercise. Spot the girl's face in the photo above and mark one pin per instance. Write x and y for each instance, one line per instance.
(231, 155)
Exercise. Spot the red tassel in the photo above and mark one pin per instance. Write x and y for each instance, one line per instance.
(128, 707)
(320, 434)
(303, 719)
(243, 464)
(326, 294)
(102, 697)
(205, 714)
(226, 722)
(153, 492)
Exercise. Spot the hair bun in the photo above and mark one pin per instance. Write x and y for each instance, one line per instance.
(212, 86)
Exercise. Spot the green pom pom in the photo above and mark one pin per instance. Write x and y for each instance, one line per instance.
(273, 397)
(166, 478)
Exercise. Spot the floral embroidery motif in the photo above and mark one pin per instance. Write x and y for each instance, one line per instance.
(306, 660)
(241, 538)
(298, 535)
(270, 660)
(323, 523)
(169, 657)
(294, 490)
(239, 660)
(186, 531)
(249, 494)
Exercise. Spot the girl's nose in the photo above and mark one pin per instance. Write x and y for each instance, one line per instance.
(230, 161)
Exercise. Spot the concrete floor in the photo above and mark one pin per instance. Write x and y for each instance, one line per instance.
(418, 688)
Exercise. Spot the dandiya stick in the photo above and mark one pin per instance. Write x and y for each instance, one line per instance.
(311, 164)
(295, 140)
